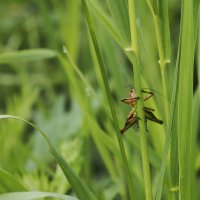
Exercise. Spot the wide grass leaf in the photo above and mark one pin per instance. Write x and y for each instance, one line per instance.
(8, 183)
(81, 189)
(185, 98)
(33, 196)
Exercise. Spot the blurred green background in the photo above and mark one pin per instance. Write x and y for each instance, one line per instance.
(61, 91)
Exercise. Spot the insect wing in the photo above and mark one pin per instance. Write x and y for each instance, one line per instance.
(150, 116)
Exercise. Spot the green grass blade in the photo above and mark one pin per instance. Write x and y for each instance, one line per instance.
(100, 12)
(8, 183)
(137, 79)
(26, 55)
(171, 131)
(161, 24)
(194, 149)
(99, 138)
(153, 6)
(80, 188)
(196, 14)
(185, 93)
(34, 195)
(164, 16)
(70, 35)
(198, 55)
(119, 10)
(76, 69)
(168, 146)
(109, 97)
(196, 105)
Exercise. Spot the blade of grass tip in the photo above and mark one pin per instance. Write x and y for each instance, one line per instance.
(78, 71)
(138, 87)
(109, 97)
(80, 188)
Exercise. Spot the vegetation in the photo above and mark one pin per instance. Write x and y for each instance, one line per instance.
(65, 65)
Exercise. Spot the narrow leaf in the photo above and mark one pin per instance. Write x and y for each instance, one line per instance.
(109, 97)
(34, 196)
(80, 188)
(119, 10)
(186, 93)
(8, 183)
(26, 55)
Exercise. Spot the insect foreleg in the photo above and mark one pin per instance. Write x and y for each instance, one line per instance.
(150, 94)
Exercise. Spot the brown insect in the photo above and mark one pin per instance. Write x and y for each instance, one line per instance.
(132, 117)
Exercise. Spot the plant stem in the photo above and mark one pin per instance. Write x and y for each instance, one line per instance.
(136, 67)
(162, 62)
(109, 98)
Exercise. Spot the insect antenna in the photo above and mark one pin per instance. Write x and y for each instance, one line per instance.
(156, 92)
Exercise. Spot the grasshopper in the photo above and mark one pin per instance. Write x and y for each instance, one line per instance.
(132, 117)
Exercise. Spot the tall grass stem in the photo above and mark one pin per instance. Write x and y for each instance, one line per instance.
(109, 98)
(137, 78)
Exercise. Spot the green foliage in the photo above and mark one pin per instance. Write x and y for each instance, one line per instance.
(68, 80)
(34, 195)
(9, 183)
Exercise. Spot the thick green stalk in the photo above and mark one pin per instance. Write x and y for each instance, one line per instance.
(109, 97)
(138, 87)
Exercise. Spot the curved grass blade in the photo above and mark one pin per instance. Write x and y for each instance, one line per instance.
(109, 97)
(34, 196)
(80, 188)
(8, 183)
